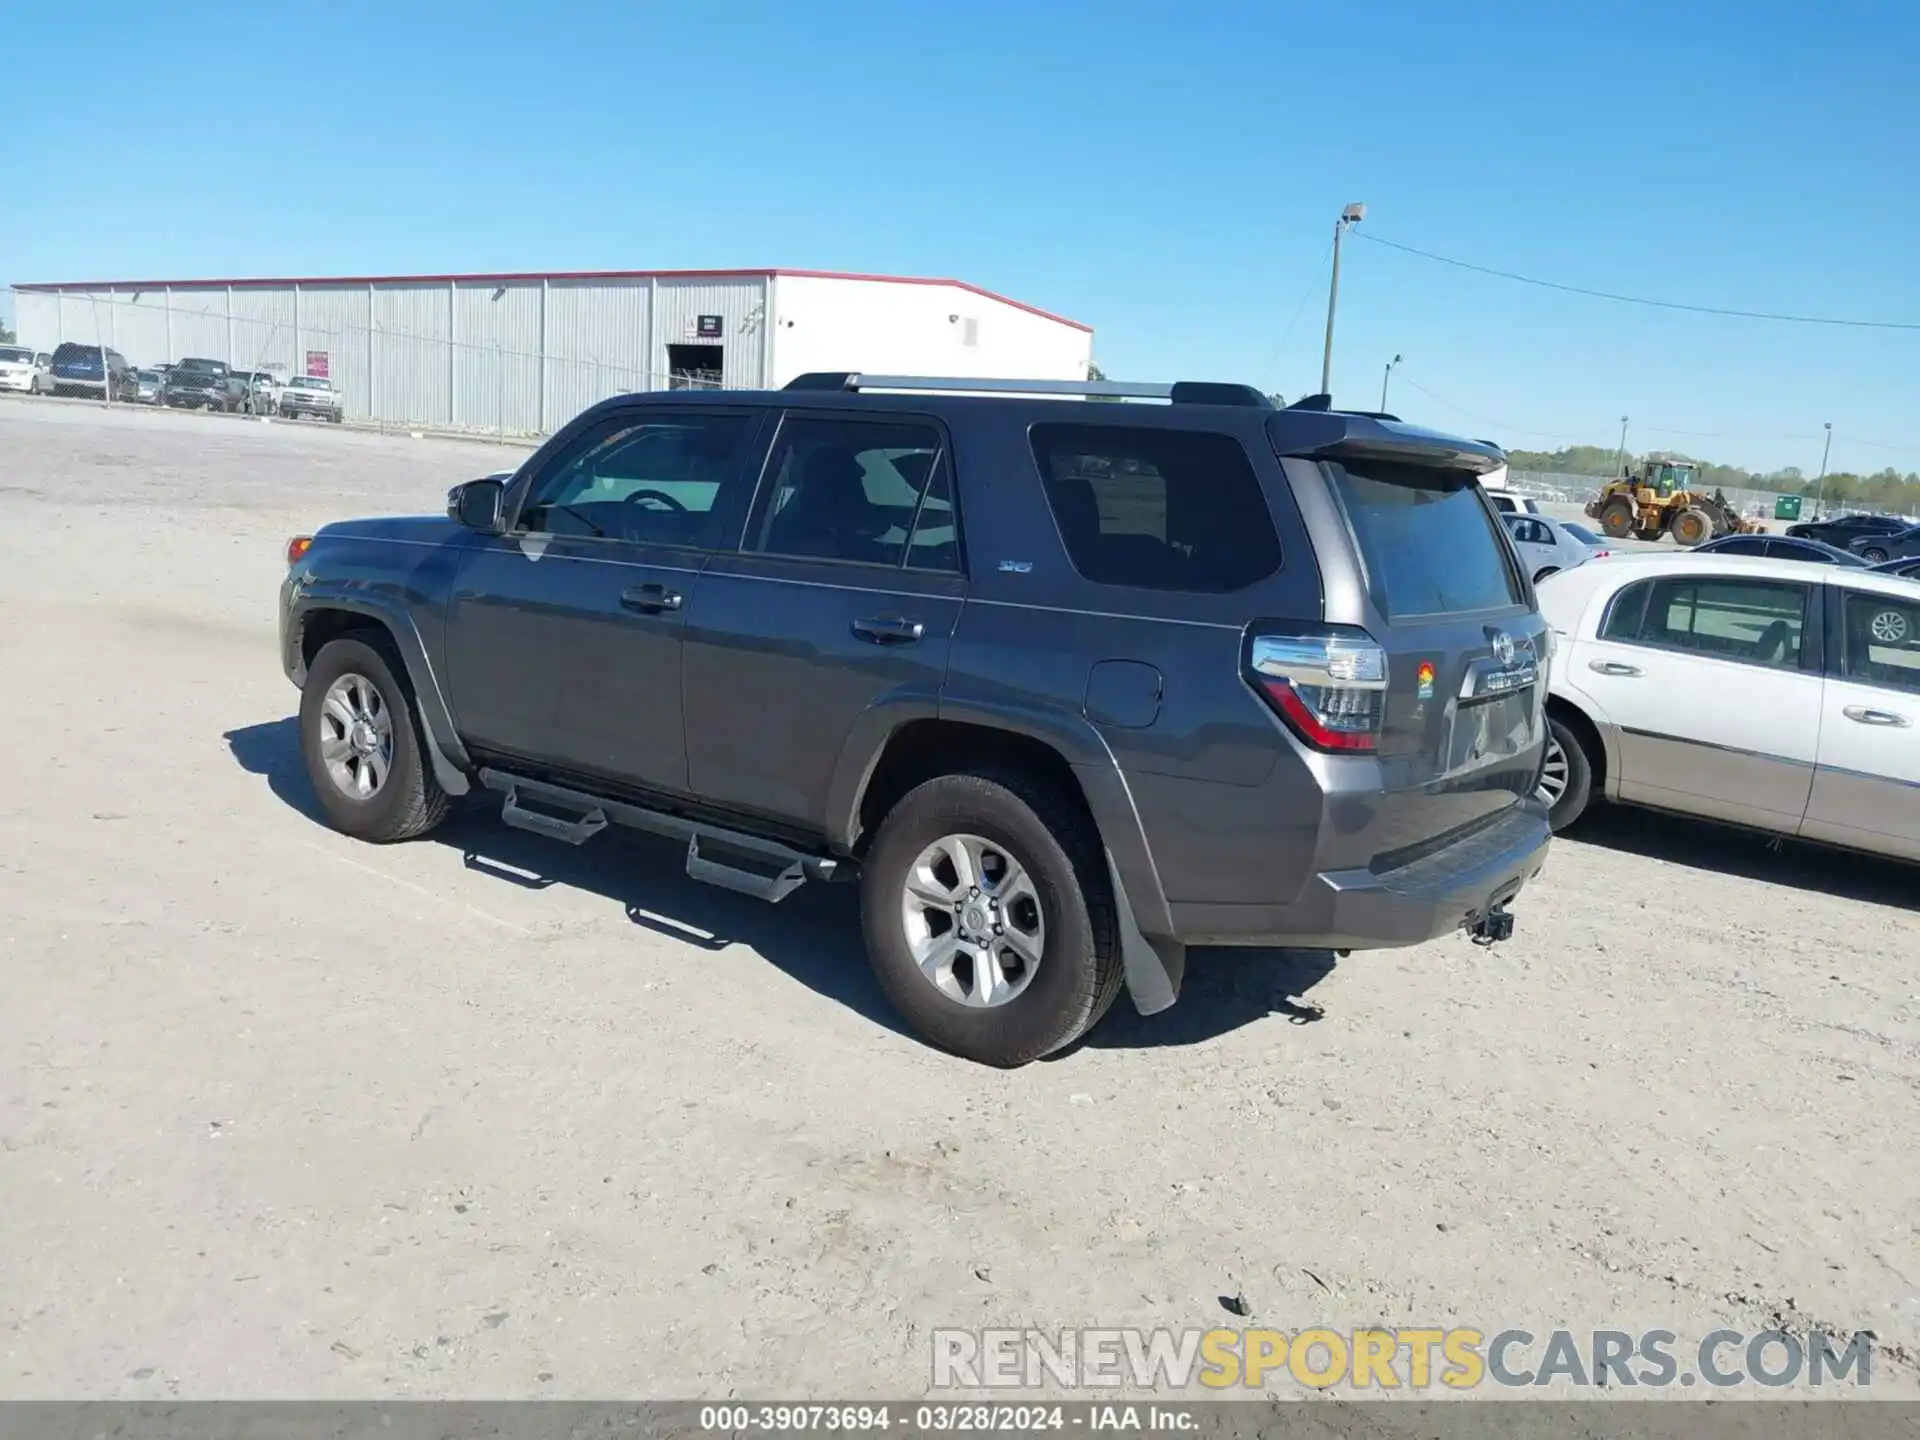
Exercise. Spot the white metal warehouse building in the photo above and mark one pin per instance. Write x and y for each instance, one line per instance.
(525, 353)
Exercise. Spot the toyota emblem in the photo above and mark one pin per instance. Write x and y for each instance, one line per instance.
(1502, 643)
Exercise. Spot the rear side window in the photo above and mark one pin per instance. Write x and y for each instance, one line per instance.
(1427, 539)
(1157, 509)
(1883, 640)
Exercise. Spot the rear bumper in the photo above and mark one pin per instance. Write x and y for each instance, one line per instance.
(1448, 890)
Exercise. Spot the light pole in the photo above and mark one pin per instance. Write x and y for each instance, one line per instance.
(1385, 378)
(1352, 215)
(1820, 504)
(1620, 455)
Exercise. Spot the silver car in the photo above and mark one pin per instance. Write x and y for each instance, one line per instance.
(1547, 546)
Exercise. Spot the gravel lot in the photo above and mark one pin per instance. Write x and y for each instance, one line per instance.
(285, 1115)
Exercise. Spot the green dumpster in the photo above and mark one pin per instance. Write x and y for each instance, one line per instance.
(1786, 507)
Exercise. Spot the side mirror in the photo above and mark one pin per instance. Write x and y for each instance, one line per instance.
(478, 505)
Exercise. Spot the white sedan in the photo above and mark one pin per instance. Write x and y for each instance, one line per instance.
(1549, 546)
(1764, 693)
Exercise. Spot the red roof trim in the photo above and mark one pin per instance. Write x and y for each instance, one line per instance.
(520, 277)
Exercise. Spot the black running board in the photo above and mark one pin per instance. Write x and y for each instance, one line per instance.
(746, 864)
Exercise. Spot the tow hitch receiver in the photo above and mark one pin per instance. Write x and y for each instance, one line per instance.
(1493, 927)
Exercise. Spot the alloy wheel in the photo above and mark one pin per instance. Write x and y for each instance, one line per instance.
(973, 920)
(356, 736)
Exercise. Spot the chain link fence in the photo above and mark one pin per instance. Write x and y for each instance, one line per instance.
(402, 375)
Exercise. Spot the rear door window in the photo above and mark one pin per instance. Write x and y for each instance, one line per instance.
(1157, 509)
(1756, 622)
(1427, 539)
(867, 491)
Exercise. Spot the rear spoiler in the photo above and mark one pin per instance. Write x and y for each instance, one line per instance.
(1342, 436)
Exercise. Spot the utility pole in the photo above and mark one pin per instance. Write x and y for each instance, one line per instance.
(1620, 455)
(1352, 215)
(1385, 378)
(1820, 504)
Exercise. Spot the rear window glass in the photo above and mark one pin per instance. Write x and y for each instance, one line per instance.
(1428, 543)
(1157, 509)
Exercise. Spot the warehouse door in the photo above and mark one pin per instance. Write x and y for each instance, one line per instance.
(695, 367)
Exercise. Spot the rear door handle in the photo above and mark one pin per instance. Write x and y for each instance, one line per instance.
(651, 599)
(1611, 667)
(889, 630)
(1866, 715)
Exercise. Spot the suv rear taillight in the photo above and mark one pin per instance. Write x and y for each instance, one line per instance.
(1328, 682)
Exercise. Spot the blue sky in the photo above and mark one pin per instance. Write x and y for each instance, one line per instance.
(1168, 174)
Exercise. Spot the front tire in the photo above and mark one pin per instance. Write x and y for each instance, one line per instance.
(362, 748)
(1874, 555)
(1617, 519)
(1692, 527)
(1000, 986)
(1566, 779)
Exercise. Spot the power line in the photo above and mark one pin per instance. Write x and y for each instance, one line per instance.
(1313, 283)
(1483, 419)
(1641, 299)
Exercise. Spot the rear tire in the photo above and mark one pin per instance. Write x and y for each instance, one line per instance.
(1545, 571)
(403, 802)
(1566, 780)
(1874, 555)
(1079, 972)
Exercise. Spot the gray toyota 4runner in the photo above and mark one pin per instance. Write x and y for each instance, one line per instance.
(1067, 686)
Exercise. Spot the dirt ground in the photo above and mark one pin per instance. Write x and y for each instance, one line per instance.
(286, 1115)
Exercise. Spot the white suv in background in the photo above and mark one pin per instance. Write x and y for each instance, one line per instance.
(22, 370)
(1765, 693)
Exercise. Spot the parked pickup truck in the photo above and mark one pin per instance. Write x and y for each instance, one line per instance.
(1068, 687)
(311, 395)
(195, 384)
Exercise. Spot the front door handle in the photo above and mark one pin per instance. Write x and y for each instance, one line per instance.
(650, 599)
(1611, 667)
(1866, 715)
(889, 630)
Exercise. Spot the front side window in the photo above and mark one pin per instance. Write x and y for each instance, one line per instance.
(655, 479)
(1756, 622)
(1882, 640)
(870, 492)
(1157, 509)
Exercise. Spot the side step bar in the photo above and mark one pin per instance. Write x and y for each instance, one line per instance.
(731, 859)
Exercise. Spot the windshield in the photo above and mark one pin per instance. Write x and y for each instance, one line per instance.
(148, 375)
(12, 355)
(308, 382)
(202, 367)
